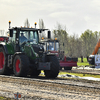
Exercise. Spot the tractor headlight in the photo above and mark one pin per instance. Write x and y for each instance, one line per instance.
(36, 54)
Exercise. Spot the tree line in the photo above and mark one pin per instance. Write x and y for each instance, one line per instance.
(75, 46)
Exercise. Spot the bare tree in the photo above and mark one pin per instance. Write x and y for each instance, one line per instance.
(62, 35)
(27, 24)
(1, 32)
(41, 26)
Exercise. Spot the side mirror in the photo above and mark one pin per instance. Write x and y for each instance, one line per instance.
(11, 33)
(49, 34)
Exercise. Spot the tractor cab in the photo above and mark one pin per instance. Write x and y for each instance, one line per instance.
(51, 45)
(20, 36)
(24, 34)
(30, 36)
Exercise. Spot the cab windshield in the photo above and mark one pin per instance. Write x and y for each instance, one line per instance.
(53, 46)
(31, 36)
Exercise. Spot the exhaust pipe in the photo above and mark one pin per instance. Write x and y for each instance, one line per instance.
(9, 23)
(49, 34)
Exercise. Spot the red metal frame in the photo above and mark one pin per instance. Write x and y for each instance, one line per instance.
(65, 63)
(3, 38)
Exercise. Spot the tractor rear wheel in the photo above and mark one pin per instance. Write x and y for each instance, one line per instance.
(21, 65)
(60, 68)
(3, 62)
(54, 68)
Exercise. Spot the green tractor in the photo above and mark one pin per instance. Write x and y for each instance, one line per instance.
(24, 55)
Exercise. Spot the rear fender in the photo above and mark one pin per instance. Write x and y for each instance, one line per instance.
(18, 53)
(10, 49)
(5, 48)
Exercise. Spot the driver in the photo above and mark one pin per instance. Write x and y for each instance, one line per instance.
(22, 38)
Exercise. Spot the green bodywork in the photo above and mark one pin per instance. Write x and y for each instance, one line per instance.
(25, 45)
(10, 48)
(27, 49)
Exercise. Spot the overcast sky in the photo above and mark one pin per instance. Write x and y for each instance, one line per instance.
(76, 15)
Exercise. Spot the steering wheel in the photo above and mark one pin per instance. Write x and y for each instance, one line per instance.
(23, 43)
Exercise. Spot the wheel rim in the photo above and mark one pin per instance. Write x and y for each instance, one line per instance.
(17, 65)
(1, 60)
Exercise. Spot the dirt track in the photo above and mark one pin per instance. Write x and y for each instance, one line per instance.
(49, 89)
(84, 70)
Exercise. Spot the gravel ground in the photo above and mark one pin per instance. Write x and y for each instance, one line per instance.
(38, 92)
(85, 70)
(50, 89)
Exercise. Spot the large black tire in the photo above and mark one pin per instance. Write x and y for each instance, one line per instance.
(54, 68)
(67, 68)
(60, 68)
(21, 65)
(3, 62)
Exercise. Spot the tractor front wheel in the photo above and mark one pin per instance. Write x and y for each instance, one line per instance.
(21, 65)
(54, 68)
(60, 68)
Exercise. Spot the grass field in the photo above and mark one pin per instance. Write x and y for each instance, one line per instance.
(84, 63)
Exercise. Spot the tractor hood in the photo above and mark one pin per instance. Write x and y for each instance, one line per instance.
(38, 48)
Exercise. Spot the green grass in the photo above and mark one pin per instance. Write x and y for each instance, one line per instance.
(84, 63)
